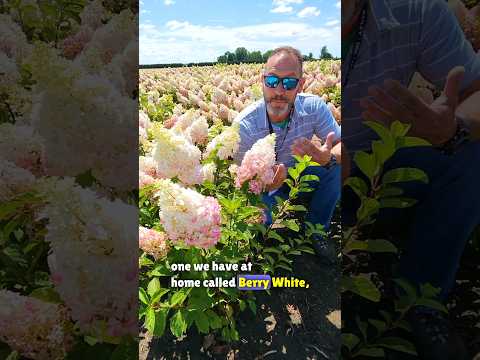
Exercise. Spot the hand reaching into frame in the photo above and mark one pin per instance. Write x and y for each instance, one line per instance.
(435, 123)
(320, 154)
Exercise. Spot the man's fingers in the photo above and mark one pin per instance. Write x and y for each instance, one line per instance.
(386, 102)
(368, 116)
(453, 85)
(329, 141)
(375, 112)
(406, 98)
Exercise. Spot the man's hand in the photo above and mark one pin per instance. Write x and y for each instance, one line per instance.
(320, 154)
(435, 123)
(280, 172)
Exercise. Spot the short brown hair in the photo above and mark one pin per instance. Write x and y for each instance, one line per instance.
(291, 51)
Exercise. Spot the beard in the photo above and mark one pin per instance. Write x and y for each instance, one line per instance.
(277, 108)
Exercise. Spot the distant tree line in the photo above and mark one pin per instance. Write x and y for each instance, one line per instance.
(240, 55)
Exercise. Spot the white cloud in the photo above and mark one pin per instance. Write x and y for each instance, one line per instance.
(145, 11)
(168, 2)
(332, 23)
(174, 24)
(282, 9)
(308, 11)
(181, 41)
(338, 5)
(286, 2)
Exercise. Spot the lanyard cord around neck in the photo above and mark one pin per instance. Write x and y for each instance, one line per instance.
(357, 44)
(270, 128)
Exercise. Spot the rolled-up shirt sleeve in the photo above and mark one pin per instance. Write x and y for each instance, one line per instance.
(325, 122)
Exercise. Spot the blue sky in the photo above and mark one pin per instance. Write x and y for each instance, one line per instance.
(201, 30)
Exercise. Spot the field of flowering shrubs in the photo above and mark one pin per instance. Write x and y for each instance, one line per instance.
(68, 81)
(197, 206)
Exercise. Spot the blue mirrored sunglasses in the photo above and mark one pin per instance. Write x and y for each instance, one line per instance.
(288, 83)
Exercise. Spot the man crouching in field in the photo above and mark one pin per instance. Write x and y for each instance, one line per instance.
(295, 117)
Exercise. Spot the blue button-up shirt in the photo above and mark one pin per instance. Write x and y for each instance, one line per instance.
(311, 116)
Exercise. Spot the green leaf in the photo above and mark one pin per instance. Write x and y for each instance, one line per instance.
(367, 163)
(389, 191)
(362, 326)
(241, 304)
(252, 306)
(403, 175)
(178, 324)
(160, 322)
(284, 266)
(409, 141)
(153, 286)
(368, 208)
(374, 246)
(293, 173)
(201, 320)
(431, 303)
(306, 178)
(398, 344)
(397, 202)
(214, 320)
(157, 296)
(178, 298)
(306, 249)
(382, 132)
(350, 341)
(383, 151)
(46, 294)
(362, 286)
(358, 185)
(379, 325)
(399, 129)
(13, 356)
(407, 287)
(142, 295)
(371, 351)
(292, 225)
(272, 250)
(150, 320)
(274, 235)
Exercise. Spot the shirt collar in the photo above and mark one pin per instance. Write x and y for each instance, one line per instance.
(298, 110)
(382, 14)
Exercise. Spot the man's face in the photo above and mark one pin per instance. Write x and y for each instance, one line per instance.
(279, 101)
